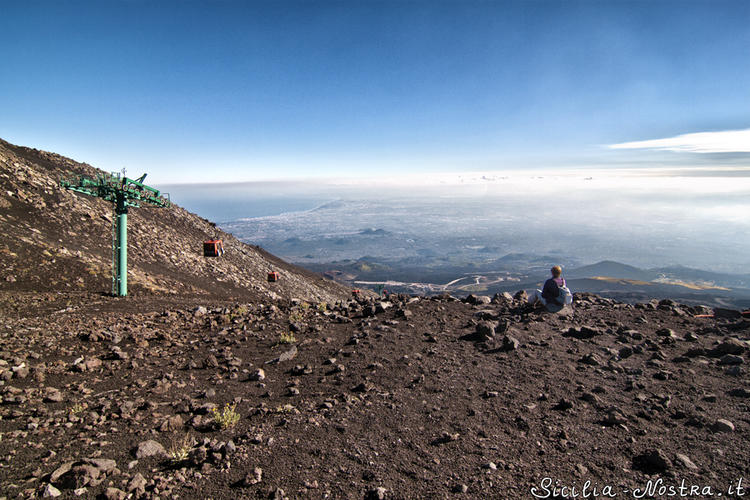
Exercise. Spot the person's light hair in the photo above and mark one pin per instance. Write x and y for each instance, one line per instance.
(556, 271)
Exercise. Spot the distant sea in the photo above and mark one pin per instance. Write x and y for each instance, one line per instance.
(227, 202)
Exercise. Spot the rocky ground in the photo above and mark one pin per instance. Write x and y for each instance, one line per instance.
(411, 397)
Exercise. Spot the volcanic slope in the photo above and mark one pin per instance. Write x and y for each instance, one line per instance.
(406, 398)
(52, 240)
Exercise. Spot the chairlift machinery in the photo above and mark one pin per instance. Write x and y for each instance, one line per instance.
(213, 248)
(123, 192)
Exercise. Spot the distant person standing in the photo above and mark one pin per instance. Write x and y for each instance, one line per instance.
(554, 292)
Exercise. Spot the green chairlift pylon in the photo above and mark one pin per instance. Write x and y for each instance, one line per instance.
(123, 192)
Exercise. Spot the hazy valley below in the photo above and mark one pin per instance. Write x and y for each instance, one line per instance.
(681, 236)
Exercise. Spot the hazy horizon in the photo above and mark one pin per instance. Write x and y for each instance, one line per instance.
(646, 221)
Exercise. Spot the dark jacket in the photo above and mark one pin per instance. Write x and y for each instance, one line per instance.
(551, 292)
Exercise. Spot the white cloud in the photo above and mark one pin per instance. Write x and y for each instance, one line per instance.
(727, 141)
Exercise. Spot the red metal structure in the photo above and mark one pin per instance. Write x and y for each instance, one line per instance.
(213, 248)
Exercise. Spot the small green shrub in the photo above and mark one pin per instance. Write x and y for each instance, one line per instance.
(76, 408)
(287, 338)
(180, 450)
(227, 417)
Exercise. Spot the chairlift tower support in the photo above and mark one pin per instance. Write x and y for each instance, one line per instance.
(123, 192)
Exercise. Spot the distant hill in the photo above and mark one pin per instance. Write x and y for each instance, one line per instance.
(611, 269)
(699, 275)
(54, 239)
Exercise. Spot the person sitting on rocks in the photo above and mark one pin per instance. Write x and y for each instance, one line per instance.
(555, 291)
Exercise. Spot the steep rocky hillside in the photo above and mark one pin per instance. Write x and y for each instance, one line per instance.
(56, 240)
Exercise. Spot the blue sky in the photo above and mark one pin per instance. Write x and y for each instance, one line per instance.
(239, 91)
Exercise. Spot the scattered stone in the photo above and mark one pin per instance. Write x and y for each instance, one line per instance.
(582, 333)
(52, 395)
(149, 448)
(21, 371)
(665, 332)
(740, 393)
(301, 370)
(722, 425)
(447, 437)
(563, 405)
(137, 484)
(614, 417)
(60, 471)
(625, 352)
(257, 375)
(277, 494)
(171, 424)
(381, 307)
(694, 352)
(734, 370)
(80, 474)
(510, 343)
(722, 313)
(590, 359)
(114, 494)
(462, 488)
(117, 354)
(211, 362)
(590, 397)
(363, 387)
(284, 356)
(103, 464)
(50, 491)
(404, 313)
(376, 493)
(731, 359)
(254, 477)
(485, 331)
(729, 346)
(652, 461)
(685, 461)
(478, 299)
